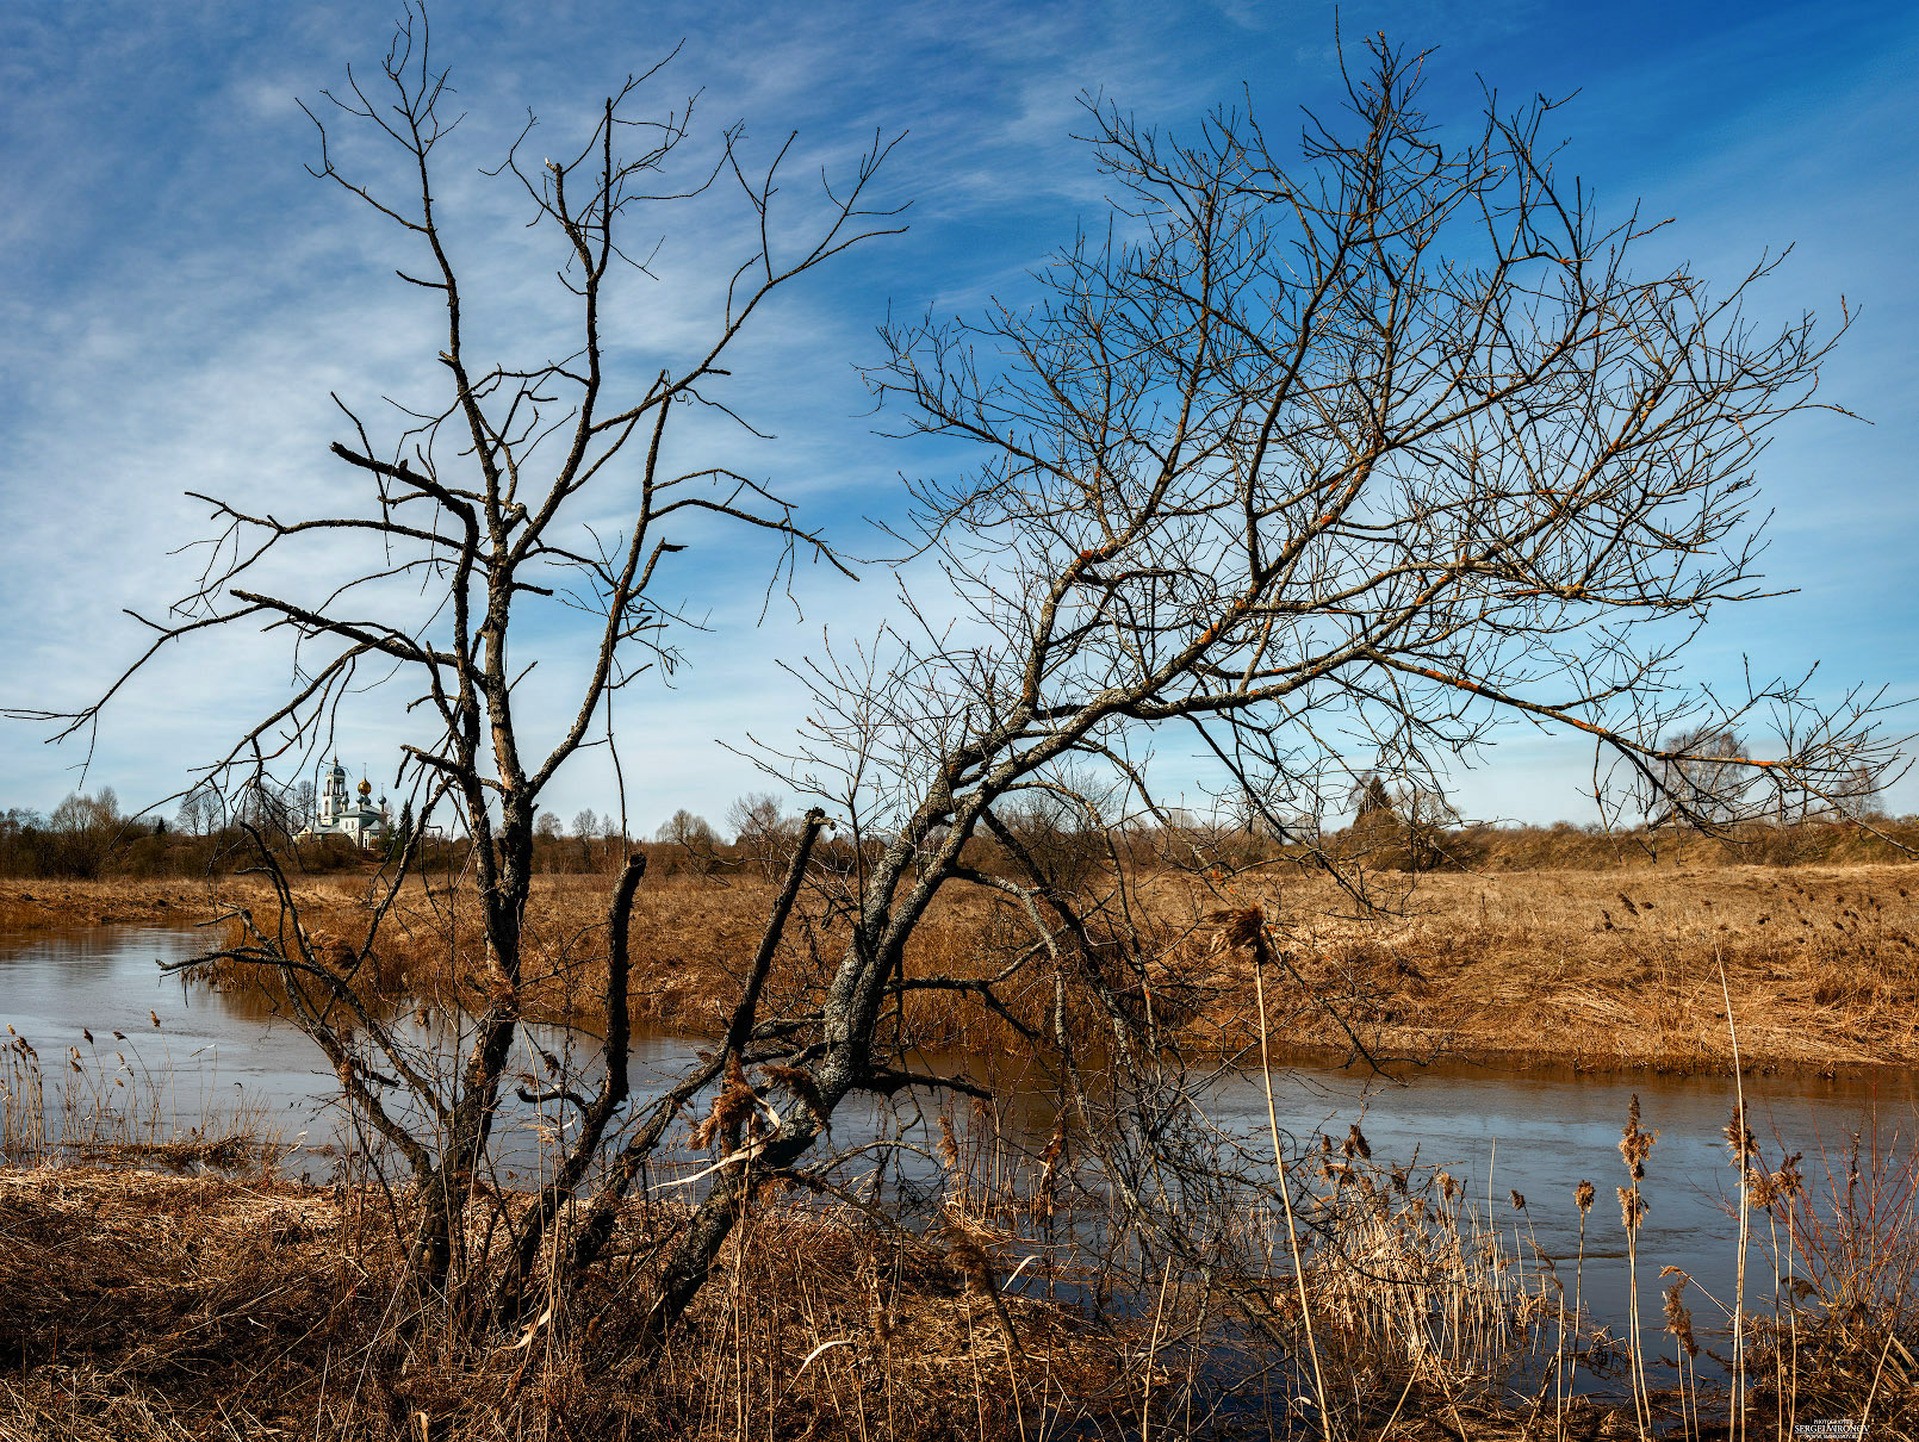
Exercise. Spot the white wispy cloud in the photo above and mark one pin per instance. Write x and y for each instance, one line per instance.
(183, 297)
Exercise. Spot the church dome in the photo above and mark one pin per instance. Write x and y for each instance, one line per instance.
(366, 788)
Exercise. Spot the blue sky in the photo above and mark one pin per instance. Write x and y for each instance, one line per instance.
(181, 297)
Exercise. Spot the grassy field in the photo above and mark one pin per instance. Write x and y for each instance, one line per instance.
(1609, 969)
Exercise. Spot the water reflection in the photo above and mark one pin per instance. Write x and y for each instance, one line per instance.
(105, 1017)
(108, 1021)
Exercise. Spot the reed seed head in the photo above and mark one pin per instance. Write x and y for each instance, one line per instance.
(948, 1146)
(1583, 1195)
(732, 1108)
(1338, 1173)
(1632, 1208)
(1678, 1315)
(1739, 1137)
(1635, 1143)
(1055, 1144)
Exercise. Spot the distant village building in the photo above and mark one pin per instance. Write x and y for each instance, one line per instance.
(361, 821)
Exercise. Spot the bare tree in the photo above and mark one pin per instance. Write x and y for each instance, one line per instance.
(1860, 796)
(683, 828)
(695, 841)
(201, 811)
(84, 831)
(489, 503)
(1355, 453)
(1061, 823)
(1704, 778)
(1849, 788)
(763, 833)
(302, 808)
(1365, 451)
(586, 831)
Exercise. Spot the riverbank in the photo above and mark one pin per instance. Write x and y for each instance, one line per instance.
(144, 1307)
(44, 905)
(1615, 970)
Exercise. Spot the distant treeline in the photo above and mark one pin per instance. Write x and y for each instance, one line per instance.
(88, 837)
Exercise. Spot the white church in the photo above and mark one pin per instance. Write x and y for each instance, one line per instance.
(361, 821)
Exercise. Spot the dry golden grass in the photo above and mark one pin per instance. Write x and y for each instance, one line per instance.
(31, 905)
(1609, 970)
(1621, 970)
(142, 1307)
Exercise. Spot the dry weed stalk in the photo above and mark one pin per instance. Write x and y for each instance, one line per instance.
(1635, 1145)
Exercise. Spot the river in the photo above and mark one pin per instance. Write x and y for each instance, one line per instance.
(167, 1054)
